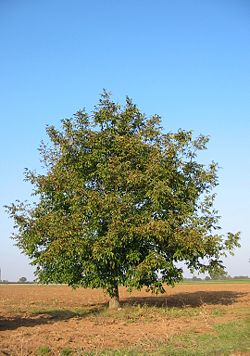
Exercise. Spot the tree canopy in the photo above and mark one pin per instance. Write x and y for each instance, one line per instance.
(120, 202)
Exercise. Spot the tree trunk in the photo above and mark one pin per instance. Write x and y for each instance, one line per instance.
(114, 302)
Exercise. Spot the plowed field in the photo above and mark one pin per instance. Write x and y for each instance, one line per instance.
(34, 318)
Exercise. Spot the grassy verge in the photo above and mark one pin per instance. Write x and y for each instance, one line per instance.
(226, 339)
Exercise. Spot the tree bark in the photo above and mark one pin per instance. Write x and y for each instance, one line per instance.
(114, 302)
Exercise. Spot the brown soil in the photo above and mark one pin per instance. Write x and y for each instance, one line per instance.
(58, 317)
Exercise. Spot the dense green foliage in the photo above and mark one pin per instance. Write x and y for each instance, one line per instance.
(118, 202)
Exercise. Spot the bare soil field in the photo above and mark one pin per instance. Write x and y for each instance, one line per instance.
(33, 317)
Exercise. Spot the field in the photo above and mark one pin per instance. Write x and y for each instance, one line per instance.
(190, 319)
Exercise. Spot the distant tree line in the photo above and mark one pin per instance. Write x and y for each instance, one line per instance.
(214, 278)
(21, 280)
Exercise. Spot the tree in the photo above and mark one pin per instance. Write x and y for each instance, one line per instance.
(120, 202)
(22, 280)
(218, 273)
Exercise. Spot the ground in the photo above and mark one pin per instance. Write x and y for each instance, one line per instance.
(57, 320)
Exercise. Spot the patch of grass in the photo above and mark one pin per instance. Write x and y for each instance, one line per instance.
(140, 312)
(227, 338)
(218, 312)
(43, 350)
(123, 352)
(66, 352)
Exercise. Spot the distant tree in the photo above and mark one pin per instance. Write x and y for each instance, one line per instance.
(118, 202)
(218, 273)
(22, 280)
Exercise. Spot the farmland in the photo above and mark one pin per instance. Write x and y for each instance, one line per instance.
(192, 318)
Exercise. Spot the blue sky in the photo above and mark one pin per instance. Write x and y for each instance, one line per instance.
(188, 61)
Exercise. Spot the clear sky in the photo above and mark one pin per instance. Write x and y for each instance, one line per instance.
(188, 61)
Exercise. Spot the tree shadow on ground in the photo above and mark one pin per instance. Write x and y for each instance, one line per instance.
(179, 300)
(50, 316)
(182, 300)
